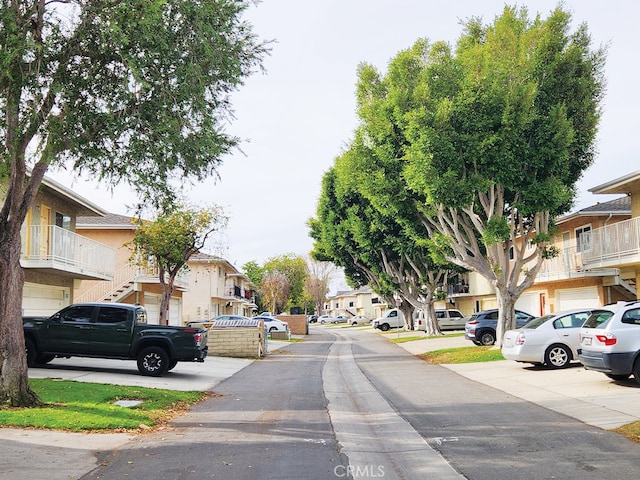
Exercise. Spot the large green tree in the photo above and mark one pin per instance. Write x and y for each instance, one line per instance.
(494, 137)
(132, 91)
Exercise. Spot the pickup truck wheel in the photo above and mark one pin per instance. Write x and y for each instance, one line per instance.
(487, 338)
(172, 365)
(384, 327)
(44, 359)
(32, 352)
(153, 362)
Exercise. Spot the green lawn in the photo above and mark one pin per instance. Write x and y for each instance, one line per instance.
(78, 406)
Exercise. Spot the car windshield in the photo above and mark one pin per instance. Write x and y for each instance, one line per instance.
(536, 322)
(598, 319)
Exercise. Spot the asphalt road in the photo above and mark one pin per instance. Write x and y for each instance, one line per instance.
(347, 404)
(344, 403)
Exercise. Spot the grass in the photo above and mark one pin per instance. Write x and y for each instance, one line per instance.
(78, 407)
(423, 337)
(462, 355)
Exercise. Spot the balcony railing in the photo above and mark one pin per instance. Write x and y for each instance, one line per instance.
(614, 244)
(55, 248)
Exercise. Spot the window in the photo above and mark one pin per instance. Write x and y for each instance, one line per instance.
(583, 238)
(631, 317)
(77, 314)
(63, 221)
(112, 315)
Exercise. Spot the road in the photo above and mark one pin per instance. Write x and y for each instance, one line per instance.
(348, 404)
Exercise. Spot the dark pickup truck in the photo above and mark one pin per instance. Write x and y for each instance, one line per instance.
(112, 330)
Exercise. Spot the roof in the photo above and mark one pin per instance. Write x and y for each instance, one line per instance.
(109, 221)
(617, 206)
(626, 184)
(60, 190)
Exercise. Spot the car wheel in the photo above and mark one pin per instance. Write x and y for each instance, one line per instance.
(273, 329)
(32, 352)
(557, 356)
(636, 370)
(172, 365)
(384, 327)
(487, 338)
(613, 376)
(153, 362)
(44, 359)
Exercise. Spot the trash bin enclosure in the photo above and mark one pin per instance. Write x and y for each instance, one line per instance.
(237, 338)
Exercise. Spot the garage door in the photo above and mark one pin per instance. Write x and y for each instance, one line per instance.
(43, 300)
(152, 306)
(570, 298)
(175, 312)
(530, 303)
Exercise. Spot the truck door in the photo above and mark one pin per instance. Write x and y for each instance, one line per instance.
(112, 330)
(70, 330)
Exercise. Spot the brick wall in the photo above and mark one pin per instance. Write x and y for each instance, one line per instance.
(297, 323)
(245, 342)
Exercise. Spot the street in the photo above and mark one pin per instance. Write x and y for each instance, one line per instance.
(348, 404)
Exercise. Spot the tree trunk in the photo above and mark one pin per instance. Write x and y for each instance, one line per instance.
(506, 313)
(166, 289)
(14, 373)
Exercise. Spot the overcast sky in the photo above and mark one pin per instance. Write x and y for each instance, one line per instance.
(298, 116)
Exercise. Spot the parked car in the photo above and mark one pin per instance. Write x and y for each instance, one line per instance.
(610, 341)
(448, 319)
(481, 327)
(112, 330)
(552, 340)
(393, 318)
(272, 324)
(360, 320)
(313, 318)
(340, 319)
(325, 319)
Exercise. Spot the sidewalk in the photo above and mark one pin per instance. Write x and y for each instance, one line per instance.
(588, 396)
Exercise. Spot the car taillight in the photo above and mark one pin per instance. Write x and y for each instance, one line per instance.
(198, 338)
(419, 321)
(608, 339)
(520, 339)
(473, 322)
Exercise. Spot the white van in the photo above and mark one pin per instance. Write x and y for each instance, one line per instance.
(448, 319)
(393, 318)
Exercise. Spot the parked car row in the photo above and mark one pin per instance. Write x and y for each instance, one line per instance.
(604, 339)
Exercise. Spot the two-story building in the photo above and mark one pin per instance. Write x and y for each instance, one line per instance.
(130, 283)
(216, 288)
(54, 257)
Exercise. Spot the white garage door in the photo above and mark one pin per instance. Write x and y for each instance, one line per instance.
(175, 312)
(43, 300)
(570, 298)
(152, 306)
(530, 303)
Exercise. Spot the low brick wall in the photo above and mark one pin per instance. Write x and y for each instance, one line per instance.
(245, 342)
(297, 323)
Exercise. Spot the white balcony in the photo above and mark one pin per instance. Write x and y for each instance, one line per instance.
(570, 263)
(52, 249)
(614, 245)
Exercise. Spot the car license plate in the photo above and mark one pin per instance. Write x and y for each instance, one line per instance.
(587, 341)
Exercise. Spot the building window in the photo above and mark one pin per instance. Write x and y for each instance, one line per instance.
(63, 221)
(583, 238)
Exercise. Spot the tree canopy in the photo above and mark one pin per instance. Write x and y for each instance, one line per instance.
(474, 150)
(133, 91)
(168, 242)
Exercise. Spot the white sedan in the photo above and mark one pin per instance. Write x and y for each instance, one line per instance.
(272, 324)
(550, 340)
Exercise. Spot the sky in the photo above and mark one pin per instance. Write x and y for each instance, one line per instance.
(299, 115)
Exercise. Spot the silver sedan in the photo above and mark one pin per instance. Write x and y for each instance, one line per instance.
(550, 340)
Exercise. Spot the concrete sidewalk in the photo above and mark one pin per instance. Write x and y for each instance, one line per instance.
(588, 396)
